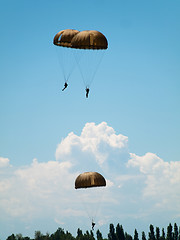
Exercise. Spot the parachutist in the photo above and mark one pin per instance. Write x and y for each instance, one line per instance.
(82, 41)
(65, 86)
(87, 92)
(93, 224)
(90, 180)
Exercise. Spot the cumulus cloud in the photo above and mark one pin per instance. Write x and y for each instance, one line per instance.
(31, 189)
(97, 145)
(162, 180)
(136, 185)
(4, 162)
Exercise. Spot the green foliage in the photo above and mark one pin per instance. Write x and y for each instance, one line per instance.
(151, 233)
(173, 233)
(79, 234)
(143, 236)
(12, 237)
(157, 233)
(162, 237)
(88, 236)
(99, 235)
(112, 234)
(136, 235)
(128, 236)
(38, 235)
(120, 232)
(169, 232)
(61, 235)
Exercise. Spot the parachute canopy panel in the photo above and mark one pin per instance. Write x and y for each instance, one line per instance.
(90, 179)
(89, 39)
(64, 37)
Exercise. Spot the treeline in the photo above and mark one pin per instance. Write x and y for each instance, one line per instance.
(115, 233)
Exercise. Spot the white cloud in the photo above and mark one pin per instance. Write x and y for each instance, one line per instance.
(137, 186)
(147, 163)
(33, 188)
(97, 144)
(4, 162)
(162, 180)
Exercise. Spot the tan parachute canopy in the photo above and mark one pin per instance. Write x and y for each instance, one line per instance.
(90, 179)
(89, 39)
(64, 37)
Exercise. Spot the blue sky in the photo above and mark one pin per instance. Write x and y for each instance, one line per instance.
(135, 93)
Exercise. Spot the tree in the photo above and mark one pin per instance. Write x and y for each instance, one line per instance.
(99, 235)
(169, 232)
(26, 238)
(157, 233)
(79, 234)
(128, 236)
(37, 235)
(120, 232)
(92, 235)
(88, 236)
(59, 234)
(136, 235)
(19, 236)
(162, 237)
(12, 237)
(68, 236)
(143, 236)
(175, 232)
(151, 233)
(111, 235)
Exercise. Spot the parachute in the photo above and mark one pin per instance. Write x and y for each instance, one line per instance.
(90, 187)
(66, 59)
(90, 46)
(88, 49)
(64, 37)
(90, 179)
(89, 39)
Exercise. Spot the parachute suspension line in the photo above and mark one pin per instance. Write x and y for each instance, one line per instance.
(91, 183)
(83, 202)
(88, 62)
(81, 72)
(86, 209)
(66, 62)
(92, 209)
(72, 68)
(100, 60)
(61, 65)
(65, 80)
(98, 205)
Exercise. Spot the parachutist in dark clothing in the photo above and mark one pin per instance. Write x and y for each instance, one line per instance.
(65, 86)
(93, 224)
(87, 92)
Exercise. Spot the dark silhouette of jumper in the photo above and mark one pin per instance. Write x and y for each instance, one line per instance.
(87, 92)
(65, 86)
